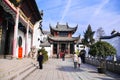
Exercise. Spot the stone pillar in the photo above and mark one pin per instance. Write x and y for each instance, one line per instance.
(32, 38)
(26, 40)
(51, 54)
(69, 48)
(16, 34)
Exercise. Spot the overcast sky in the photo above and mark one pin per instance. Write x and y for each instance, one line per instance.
(97, 13)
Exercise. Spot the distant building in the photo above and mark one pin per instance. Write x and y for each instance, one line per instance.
(17, 20)
(79, 46)
(61, 39)
(114, 40)
(45, 43)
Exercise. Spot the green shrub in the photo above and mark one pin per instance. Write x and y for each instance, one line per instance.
(101, 50)
(45, 54)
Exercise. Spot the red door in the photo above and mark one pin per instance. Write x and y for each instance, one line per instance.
(20, 52)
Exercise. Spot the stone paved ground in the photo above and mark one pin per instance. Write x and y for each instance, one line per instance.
(56, 69)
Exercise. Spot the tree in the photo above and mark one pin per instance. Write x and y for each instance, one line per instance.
(88, 36)
(101, 50)
(45, 54)
(100, 32)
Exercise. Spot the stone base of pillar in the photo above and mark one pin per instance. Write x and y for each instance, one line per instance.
(6, 57)
(1, 56)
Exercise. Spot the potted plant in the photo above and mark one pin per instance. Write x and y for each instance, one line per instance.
(101, 50)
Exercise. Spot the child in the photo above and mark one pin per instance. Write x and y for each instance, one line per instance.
(75, 59)
(79, 61)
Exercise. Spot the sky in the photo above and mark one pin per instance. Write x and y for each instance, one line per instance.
(97, 13)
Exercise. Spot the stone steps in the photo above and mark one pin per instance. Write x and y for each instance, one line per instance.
(12, 70)
(25, 73)
(18, 72)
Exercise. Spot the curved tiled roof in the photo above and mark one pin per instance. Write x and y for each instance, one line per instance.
(109, 37)
(60, 27)
(45, 44)
(63, 38)
(30, 9)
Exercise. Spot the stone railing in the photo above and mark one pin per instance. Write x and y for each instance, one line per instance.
(113, 66)
(110, 65)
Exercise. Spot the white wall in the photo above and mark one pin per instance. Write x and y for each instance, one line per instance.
(51, 48)
(115, 42)
(80, 47)
(36, 35)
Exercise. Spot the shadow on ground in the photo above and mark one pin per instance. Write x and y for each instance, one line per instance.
(107, 78)
(69, 69)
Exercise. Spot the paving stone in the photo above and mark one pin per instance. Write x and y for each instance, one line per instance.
(56, 69)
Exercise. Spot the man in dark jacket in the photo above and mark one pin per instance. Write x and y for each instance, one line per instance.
(40, 60)
(82, 54)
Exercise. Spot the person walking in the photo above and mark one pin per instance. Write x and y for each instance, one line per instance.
(75, 60)
(79, 60)
(63, 55)
(83, 52)
(40, 60)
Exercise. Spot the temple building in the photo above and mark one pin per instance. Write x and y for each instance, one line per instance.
(61, 38)
(17, 20)
(114, 40)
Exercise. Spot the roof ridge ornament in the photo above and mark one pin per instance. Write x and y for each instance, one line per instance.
(50, 25)
(77, 25)
(57, 24)
(67, 24)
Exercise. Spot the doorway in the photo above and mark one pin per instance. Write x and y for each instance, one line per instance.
(63, 46)
(6, 32)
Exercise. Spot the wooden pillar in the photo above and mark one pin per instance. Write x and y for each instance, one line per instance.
(15, 34)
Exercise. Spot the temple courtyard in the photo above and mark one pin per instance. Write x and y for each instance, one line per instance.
(53, 69)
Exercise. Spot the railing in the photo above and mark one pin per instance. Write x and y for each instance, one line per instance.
(110, 65)
(113, 66)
